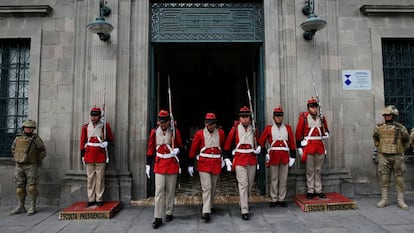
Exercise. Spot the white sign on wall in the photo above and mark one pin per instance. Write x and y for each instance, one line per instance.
(356, 80)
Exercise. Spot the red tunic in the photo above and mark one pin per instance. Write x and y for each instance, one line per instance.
(242, 159)
(205, 164)
(164, 165)
(94, 154)
(278, 156)
(302, 131)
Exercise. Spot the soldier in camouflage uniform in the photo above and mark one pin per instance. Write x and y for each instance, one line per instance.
(28, 151)
(391, 140)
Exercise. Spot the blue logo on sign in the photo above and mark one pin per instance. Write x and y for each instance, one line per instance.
(347, 81)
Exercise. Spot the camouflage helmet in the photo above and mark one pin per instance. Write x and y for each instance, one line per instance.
(390, 109)
(29, 124)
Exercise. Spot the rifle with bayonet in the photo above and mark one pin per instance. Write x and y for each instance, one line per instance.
(104, 125)
(252, 113)
(320, 114)
(172, 124)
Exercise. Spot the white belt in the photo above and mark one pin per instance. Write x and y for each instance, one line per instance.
(245, 151)
(165, 156)
(212, 156)
(313, 138)
(279, 148)
(93, 144)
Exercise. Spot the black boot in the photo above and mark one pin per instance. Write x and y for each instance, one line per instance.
(157, 223)
(169, 217)
(245, 216)
(206, 217)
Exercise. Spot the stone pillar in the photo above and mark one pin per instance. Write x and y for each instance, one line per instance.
(139, 96)
(97, 80)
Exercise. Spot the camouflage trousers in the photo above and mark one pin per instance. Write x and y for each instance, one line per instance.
(26, 174)
(389, 164)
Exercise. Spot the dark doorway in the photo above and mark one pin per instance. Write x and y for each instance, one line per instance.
(204, 77)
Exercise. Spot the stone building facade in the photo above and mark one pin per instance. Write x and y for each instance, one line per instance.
(72, 70)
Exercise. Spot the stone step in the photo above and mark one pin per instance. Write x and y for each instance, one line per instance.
(186, 199)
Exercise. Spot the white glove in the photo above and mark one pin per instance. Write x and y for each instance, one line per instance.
(291, 161)
(300, 151)
(191, 170)
(267, 157)
(326, 135)
(104, 144)
(258, 149)
(147, 170)
(107, 159)
(228, 164)
(222, 163)
(175, 151)
(83, 161)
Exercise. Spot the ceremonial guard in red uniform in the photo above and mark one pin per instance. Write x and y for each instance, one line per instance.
(207, 148)
(94, 140)
(163, 149)
(280, 155)
(310, 132)
(243, 140)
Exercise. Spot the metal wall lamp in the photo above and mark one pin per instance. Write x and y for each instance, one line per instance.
(313, 23)
(100, 26)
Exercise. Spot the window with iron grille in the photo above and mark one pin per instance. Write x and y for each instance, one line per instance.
(398, 63)
(14, 90)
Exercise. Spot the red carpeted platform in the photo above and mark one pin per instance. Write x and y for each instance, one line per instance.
(333, 201)
(79, 211)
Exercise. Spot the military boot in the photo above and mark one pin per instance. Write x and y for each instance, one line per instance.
(384, 198)
(32, 193)
(32, 207)
(20, 198)
(399, 181)
(385, 184)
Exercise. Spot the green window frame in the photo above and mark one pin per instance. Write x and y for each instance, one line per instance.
(14, 89)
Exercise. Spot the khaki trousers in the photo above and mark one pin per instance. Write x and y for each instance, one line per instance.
(314, 164)
(208, 186)
(278, 178)
(95, 173)
(164, 194)
(245, 177)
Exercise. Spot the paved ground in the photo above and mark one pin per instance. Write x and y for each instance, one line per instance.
(366, 218)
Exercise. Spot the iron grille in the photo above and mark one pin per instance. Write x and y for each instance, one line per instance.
(14, 90)
(398, 63)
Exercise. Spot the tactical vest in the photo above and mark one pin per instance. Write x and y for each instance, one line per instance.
(390, 140)
(25, 149)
